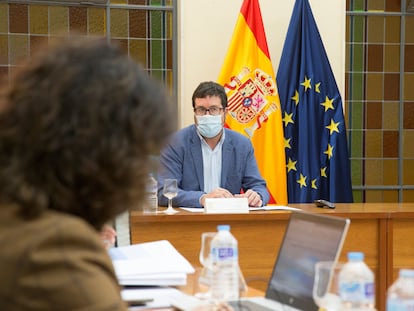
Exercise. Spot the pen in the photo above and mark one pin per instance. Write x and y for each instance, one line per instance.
(138, 302)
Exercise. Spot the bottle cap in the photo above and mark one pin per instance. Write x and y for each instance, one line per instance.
(407, 273)
(223, 227)
(355, 256)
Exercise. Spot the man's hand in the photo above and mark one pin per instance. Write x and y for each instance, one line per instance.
(253, 198)
(216, 193)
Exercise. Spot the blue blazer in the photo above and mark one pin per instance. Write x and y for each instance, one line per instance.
(182, 159)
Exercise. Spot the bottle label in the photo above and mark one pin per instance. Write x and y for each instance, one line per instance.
(224, 254)
(357, 291)
(152, 199)
(151, 204)
(369, 290)
(397, 304)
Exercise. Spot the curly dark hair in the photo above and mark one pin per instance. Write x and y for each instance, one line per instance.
(78, 123)
(210, 88)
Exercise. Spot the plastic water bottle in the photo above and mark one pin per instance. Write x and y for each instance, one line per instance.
(401, 292)
(225, 265)
(151, 204)
(356, 284)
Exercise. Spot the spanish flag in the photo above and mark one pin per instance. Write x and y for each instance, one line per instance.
(253, 100)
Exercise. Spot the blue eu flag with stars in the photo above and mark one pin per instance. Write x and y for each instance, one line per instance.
(317, 162)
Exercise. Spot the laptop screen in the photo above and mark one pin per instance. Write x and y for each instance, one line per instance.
(308, 238)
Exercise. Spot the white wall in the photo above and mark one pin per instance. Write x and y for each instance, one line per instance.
(205, 28)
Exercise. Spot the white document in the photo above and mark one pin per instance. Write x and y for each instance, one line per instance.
(193, 209)
(151, 263)
(167, 279)
(226, 205)
(161, 297)
(275, 208)
(262, 208)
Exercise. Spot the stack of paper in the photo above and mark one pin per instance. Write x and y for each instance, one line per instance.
(152, 263)
(123, 236)
(159, 297)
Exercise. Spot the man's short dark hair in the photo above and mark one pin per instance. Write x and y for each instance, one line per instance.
(210, 88)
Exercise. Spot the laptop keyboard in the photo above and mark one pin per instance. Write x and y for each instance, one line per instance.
(248, 306)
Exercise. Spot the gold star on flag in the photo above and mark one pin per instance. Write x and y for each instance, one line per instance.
(328, 103)
(291, 165)
(329, 151)
(333, 127)
(317, 85)
(313, 184)
(306, 83)
(302, 181)
(287, 143)
(296, 97)
(323, 172)
(287, 119)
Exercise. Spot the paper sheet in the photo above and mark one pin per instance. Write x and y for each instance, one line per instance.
(263, 208)
(193, 209)
(163, 297)
(274, 208)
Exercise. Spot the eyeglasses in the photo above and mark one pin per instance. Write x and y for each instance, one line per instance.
(214, 111)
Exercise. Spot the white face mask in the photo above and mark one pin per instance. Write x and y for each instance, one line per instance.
(208, 125)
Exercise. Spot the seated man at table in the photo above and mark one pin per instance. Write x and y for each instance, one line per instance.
(208, 160)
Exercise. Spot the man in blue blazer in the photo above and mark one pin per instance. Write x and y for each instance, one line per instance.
(208, 160)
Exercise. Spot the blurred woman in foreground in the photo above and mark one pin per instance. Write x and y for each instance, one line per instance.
(77, 124)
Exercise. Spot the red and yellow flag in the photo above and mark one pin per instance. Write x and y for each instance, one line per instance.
(253, 100)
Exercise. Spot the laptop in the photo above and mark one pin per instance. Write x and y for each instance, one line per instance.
(308, 238)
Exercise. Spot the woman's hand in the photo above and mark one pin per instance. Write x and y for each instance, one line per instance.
(108, 236)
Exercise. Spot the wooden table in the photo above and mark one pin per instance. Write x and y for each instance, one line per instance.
(383, 231)
(400, 236)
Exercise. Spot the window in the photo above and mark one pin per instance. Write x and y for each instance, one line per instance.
(380, 99)
(146, 29)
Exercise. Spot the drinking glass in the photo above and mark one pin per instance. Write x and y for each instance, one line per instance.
(170, 191)
(205, 260)
(325, 287)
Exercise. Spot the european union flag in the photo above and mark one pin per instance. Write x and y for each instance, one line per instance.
(313, 119)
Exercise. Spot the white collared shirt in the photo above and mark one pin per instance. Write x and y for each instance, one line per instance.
(212, 162)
